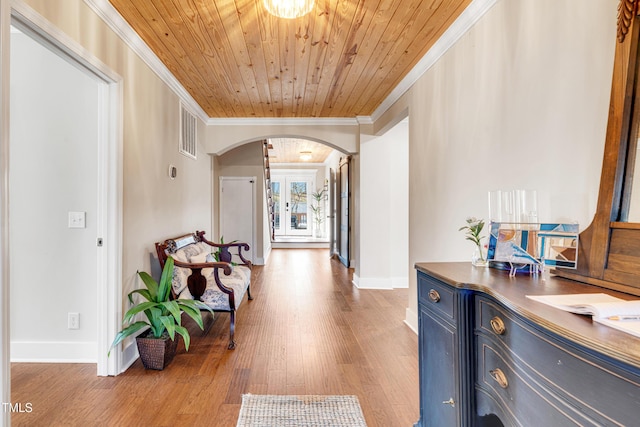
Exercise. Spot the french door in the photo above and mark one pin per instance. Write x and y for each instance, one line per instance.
(292, 196)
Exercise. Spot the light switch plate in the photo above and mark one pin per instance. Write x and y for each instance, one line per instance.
(77, 219)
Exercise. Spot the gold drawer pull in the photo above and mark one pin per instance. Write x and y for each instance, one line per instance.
(498, 325)
(450, 402)
(499, 377)
(434, 295)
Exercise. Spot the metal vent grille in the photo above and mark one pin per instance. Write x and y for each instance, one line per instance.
(188, 133)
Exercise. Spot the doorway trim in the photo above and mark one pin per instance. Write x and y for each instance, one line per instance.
(110, 173)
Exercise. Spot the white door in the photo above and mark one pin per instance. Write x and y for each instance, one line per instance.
(54, 197)
(237, 211)
(292, 197)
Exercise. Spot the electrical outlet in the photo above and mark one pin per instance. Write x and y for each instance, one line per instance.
(74, 321)
(77, 219)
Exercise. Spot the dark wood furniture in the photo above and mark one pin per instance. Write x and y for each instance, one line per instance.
(489, 356)
(609, 249)
(197, 282)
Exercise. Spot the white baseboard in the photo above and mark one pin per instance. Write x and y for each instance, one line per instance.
(54, 352)
(380, 282)
(400, 282)
(300, 245)
(411, 319)
(267, 254)
(372, 283)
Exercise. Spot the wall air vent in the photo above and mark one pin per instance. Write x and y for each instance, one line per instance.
(188, 133)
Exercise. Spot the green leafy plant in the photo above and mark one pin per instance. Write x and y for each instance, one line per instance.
(318, 197)
(163, 314)
(473, 229)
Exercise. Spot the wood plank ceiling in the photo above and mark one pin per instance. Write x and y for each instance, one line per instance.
(341, 60)
(289, 150)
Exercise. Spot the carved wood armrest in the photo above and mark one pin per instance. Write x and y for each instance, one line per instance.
(239, 245)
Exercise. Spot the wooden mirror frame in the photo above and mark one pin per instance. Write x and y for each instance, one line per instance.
(609, 250)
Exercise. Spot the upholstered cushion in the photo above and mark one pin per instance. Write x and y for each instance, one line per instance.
(194, 249)
(238, 280)
(179, 280)
(198, 253)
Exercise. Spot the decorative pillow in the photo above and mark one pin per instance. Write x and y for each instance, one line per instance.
(191, 250)
(179, 280)
(180, 255)
(201, 259)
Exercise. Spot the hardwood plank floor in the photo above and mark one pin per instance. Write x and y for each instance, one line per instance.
(307, 331)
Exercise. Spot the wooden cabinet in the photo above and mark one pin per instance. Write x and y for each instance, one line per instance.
(443, 351)
(491, 357)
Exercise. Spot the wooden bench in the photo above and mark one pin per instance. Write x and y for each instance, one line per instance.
(197, 273)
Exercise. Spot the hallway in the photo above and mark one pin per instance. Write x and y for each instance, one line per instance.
(307, 331)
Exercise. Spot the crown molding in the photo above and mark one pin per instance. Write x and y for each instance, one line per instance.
(461, 25)
(284, 121)
(116, 22)
(364, 120)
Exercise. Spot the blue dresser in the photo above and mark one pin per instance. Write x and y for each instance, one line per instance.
(491, 357)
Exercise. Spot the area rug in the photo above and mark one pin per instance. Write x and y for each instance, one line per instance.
(300, 411)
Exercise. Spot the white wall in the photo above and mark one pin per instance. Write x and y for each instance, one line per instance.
(5, 366)
(521, 101)
(53, 171)
(154, 206)
(399, 205)
(384, 210)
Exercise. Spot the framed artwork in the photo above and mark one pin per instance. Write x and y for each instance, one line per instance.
(523, 247)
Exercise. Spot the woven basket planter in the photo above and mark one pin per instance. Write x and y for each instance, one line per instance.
(156, 353)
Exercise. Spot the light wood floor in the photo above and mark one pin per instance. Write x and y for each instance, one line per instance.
(307, 331)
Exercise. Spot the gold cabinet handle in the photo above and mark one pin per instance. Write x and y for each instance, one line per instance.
(498, 325)
(434, 295)
(499, 377)
(449, 402)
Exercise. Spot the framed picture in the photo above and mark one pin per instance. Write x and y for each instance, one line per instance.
(528, 247)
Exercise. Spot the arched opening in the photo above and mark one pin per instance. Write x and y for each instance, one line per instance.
(294, 200)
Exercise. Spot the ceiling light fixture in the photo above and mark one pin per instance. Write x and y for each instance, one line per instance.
(288, 9)
(305, 156)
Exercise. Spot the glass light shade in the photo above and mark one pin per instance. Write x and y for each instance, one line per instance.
(288, 9)
(305, 155)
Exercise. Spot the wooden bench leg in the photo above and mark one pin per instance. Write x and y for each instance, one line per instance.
(249, 292)
(232, 329)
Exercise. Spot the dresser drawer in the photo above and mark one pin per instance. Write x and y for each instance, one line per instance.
(596, 388)
(436, 295)
(504, 390)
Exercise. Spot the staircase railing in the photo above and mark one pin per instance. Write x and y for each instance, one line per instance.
(268, 190)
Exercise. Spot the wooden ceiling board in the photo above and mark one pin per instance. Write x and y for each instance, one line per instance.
(377, 25)
(341, 60)
(287, 150)
(424, 27)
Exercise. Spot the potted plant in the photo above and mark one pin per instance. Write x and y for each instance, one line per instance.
(157, 346)
(318, 197)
